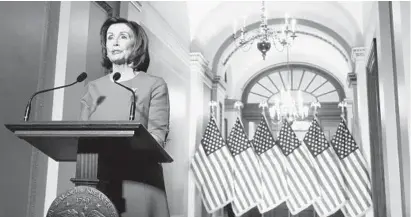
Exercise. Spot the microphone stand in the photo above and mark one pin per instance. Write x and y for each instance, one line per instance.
(28, 107)
(133, 104)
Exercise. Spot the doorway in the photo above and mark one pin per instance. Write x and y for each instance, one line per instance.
(374, 116)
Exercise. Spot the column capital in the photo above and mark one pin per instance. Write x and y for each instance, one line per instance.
(197, 59)
(357, 53)
(352, 79)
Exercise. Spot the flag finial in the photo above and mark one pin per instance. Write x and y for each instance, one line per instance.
(343, 105)
(238, 105)
(213, 106)
(316, 105)
(263, 105)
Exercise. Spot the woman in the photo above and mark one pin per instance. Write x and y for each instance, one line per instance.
(141, 183)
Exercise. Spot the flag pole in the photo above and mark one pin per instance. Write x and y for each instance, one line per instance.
(263, 105)
(316, 105)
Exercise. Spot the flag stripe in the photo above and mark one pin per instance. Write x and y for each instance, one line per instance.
(292, 183)
(353, 199)
(214, 173)
(353, 187)
(327, 201)
(250, 172)
(335, 169)
(206, 198)
(223, 157)
(221, 172)
(299, 172)
(272, 189)
(361, 170)
(333, 176)
(279, 160)
(361, 160)
(274, 177)
(292, 203)
(240, 188)
(206, 170)
(209, 198)
(309, 170)
(210, 175)
(296, 179)
(356, 180)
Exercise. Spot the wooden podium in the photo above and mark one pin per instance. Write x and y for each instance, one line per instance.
(84, 142)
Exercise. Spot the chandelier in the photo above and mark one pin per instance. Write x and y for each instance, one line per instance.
(265, 35)
(288, 106)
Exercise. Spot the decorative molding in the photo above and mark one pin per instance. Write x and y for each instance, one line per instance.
(198, 64)
(105, 6)
(196, 58)
(352, 79)
(218, 82)
(137, 5)
(357, 53)
(299, 32)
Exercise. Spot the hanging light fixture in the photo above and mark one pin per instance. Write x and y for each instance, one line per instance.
(287, 106)
(266, 36)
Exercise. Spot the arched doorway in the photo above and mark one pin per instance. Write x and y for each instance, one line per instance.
(315, 85)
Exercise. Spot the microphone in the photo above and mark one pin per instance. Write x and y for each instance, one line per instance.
(117, 76)
(80, 78)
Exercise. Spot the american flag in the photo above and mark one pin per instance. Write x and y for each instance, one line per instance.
(247, 181)
(355, 172)
(274, 184)
(327, 169)
(302, 182)
(212, 170)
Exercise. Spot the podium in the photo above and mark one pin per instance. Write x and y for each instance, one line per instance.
(85, 142)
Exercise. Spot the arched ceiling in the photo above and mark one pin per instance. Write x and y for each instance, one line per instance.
(328, 30)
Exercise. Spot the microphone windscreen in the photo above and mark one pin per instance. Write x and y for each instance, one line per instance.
(82, 77)
(116, 76)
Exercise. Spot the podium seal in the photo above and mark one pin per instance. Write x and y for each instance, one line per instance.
(82, 201)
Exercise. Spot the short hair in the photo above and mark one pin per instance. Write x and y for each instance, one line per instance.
(139, 57)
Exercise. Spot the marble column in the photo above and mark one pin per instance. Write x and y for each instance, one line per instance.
(198, 68)
(355, 129)
(358, 82)
(218, 94)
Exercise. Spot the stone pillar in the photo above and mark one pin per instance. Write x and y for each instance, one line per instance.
(355, 129)
(358, 82)
(198, 68)
(219, 94)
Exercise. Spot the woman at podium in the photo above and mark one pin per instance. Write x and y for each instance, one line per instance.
(136, 186)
